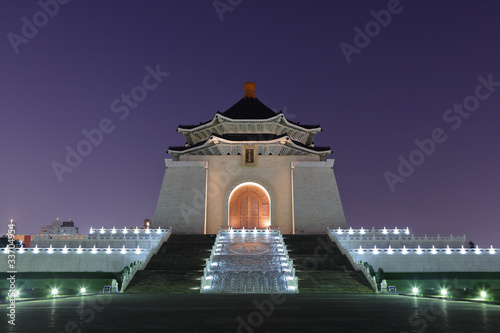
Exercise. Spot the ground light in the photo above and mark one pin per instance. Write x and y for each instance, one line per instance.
(54, 292)
(444, 292)
(82, 290)
(483, 294)
(415, 290)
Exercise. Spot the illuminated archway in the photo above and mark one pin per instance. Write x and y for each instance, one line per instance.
(249, 207)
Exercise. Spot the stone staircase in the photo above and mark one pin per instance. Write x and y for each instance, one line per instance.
(322, 268)
(176, 268)
(249, 261)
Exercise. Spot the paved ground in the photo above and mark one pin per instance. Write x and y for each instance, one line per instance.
(251, 313)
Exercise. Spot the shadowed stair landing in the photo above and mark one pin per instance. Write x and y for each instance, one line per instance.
(322, 268)
(176, 268)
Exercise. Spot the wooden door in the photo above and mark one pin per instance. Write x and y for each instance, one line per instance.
(249, 208)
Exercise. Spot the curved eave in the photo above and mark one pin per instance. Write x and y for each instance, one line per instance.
(215, 120)
(214, 139)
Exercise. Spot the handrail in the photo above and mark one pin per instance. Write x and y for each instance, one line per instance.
(144, 263)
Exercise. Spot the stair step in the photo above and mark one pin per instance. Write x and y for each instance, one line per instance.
(176, 268)
(322, 268)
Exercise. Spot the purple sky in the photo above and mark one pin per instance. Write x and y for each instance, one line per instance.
(396, 89)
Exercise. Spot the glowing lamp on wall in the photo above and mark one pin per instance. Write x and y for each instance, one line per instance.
(448, 250)
(462, 250)
(125, 231)
(339, 231)
(477, 250)
(407, 231)
(102, 230)
(390, 250)
(79, 249)
(433, 250)
(36, 249)
(123, 250)
(351, 231)
(384, 231)
(114, 230)
(362, 231)
(21, 249)
(91, 230)
(94, 250)
(375, 250)
(419, 250)
(108, 250)
(65, 249)
(158, 231)
(491, 250)
(360, 250)
(136, 230)
(50, 250)
(396, 231)
(138, 250)
(404, 250)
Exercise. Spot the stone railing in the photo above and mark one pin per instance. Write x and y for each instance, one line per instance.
(58, 237)
(357, 266)
(144, 263)
(78, 250)
(362, 231)
(419, 250)
(122, 233)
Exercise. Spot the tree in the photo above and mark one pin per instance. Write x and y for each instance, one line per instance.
(379, 276)
(4, 241)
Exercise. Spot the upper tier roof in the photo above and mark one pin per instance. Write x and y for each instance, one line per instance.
(249, 108)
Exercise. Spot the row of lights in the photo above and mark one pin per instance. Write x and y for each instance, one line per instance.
(79, 250)
(243, 230)
(363, 231)
(53, 292)
(124, 230)
(419, 250)
(444, 292)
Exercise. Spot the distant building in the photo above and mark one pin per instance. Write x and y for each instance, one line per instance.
(24, 239)
(60, 228)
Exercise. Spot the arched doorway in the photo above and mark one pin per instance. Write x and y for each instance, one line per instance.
(249, 207)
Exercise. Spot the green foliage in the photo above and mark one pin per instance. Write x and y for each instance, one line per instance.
(370, 269)
(481, 286)
(379, 276)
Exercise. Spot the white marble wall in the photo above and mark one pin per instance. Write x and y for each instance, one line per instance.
(316, 197)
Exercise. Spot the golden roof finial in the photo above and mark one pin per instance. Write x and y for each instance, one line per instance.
(249, 89)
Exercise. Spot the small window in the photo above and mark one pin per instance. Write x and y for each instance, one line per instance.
(249, 158)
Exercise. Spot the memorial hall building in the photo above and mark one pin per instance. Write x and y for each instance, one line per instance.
(249, 167)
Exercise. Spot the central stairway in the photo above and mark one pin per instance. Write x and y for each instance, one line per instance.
(322, 268)
(176, 268)
(249, 261)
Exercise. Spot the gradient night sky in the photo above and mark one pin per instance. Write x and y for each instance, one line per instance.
(394, 91)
